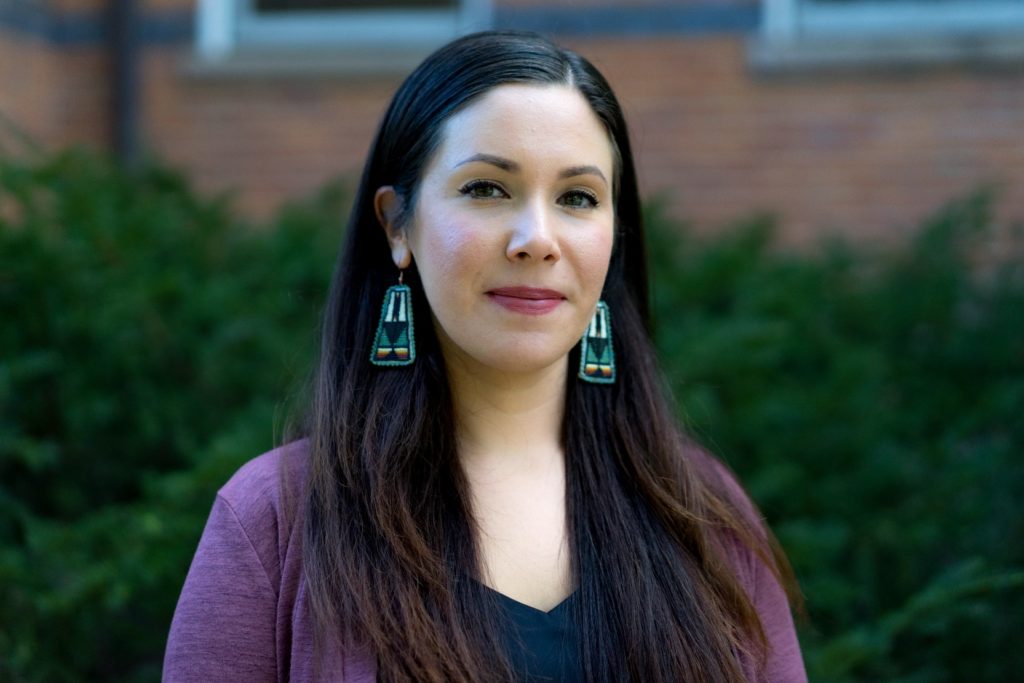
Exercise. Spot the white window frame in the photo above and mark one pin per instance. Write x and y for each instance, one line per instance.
(227, 27)
(792, 19)
(808, 33)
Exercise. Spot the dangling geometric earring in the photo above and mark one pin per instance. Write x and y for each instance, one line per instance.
(395, 343)
(597, 359)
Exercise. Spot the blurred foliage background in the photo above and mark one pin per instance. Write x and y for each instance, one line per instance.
(151, 342)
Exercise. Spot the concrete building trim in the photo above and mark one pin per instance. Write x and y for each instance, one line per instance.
(783, 37)
(91, 28)
(83, 28)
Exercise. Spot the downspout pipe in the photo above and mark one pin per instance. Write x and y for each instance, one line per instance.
(124, 56)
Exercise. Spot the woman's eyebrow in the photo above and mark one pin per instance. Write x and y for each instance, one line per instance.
(501, 162)
(512, 167)
(573, 171)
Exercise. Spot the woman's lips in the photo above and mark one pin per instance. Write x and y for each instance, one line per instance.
(527, 300)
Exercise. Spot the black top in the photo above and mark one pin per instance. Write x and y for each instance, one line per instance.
(541, 646)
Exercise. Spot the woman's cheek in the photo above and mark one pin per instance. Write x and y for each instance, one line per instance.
(452, 254)
(464, 245)
(595, 256)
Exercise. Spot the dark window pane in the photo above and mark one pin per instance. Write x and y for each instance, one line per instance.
(300, 5)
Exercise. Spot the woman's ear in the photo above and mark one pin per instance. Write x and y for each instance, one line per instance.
(388, 206)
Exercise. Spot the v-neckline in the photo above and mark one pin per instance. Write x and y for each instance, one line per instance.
(554, 611)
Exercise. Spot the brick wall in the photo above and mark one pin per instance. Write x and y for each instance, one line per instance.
(867, 154)
(28, 85)
(54, 85)
(269, 139)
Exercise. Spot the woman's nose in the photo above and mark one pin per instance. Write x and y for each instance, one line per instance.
(533, 236)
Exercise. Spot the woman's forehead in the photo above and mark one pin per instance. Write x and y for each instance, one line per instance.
(530, 123)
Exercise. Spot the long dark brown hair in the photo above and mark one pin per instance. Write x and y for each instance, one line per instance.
(390, 552)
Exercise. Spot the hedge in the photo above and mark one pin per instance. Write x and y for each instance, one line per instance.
(152, 341)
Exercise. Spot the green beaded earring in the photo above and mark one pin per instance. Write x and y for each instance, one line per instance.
(395, 343)
(597, 358)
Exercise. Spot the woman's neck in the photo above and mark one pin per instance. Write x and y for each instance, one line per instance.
(507, 420)
(510, 448)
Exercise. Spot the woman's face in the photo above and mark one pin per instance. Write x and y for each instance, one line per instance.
(513, 226)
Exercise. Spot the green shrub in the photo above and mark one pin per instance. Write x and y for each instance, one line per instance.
(151, 343)
(872, 404)
(147, 344)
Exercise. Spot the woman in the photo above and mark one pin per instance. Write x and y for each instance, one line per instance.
(493, 487)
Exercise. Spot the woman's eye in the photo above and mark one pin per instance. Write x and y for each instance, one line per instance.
(483, 189)
(579, 199)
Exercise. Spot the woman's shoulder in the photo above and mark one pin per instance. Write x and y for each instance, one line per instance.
(245, 577)
(265, 497)
(740, 529)
(749, 549)
(272, 476)
(721, 479)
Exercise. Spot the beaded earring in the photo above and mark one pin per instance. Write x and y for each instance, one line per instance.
(395, 343)
(597, 358)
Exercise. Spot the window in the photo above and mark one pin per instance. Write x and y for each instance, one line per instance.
(367, 29)
(887, 31)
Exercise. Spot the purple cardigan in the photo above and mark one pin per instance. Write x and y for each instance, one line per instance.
(243, 613)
